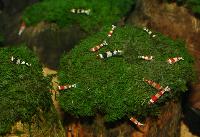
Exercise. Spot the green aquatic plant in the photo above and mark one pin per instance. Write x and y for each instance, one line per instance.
(114, 87)
(24, 91)
(59, 12)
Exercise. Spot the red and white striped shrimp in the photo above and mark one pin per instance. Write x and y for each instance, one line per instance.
(155, 97)
(104, 43)
(174, 60)
(67, 87)
(22, 28)
(136, 122)
(111, 31)
(146, 57)
(153, 84)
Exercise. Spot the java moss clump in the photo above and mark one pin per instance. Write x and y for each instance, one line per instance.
(24, 90)
(114, 87)
(58, 11)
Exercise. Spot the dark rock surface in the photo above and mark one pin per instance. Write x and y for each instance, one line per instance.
(49, 42)
(10, 18)
(1, 5)
(12, 7)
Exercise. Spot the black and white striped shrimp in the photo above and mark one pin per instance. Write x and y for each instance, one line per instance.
(81, 11)
(18, 61)
(110, 54)
(149, 32)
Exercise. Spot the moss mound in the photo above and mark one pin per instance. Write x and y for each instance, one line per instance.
(102, 12)
(24, 90)
(114, 87)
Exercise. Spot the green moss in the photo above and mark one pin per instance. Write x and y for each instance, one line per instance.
(194, 6)
(102, 12)
(114, 87)
(24, 90)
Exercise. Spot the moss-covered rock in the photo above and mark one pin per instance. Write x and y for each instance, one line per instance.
(114, 87)
(59, 11)
(24, 90)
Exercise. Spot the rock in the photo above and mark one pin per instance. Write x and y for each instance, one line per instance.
(49, 41)
(10, 19)
(166, 125)
(191, 110)
(185, 131)
(1, 5)
(192, 119)
(13, 7)
(9, 27)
